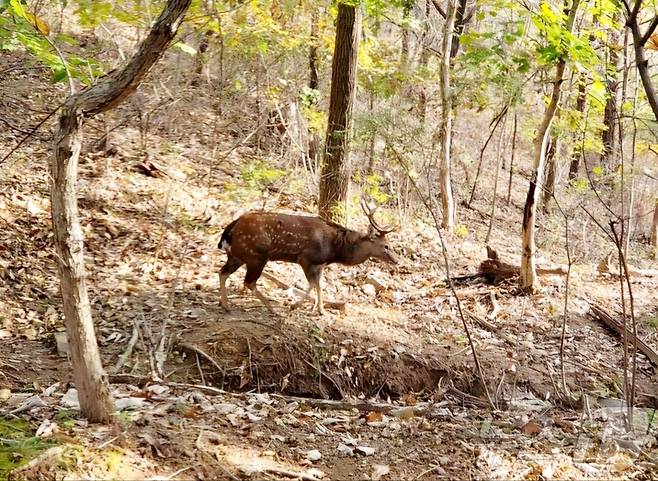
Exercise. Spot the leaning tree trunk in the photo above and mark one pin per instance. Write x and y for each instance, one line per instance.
(641, 61)
(654, 230)
(445, 132)
(334, 180)
(528, 274)
(90, 380)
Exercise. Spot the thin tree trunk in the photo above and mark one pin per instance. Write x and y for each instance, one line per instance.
(512, 156)
(445, 181)
(610, 111)
(639, 41)
(461, 19)
(499, 156)
(90, 379)
(551, 173)
(313, 81)
(373, 136)
(528, 274)
(314, 84)
(654, 230)
(334, 180)
(577, 153)
(422, 62)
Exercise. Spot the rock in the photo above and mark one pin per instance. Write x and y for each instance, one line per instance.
(369, 290)
(366, 450)
(313, 455)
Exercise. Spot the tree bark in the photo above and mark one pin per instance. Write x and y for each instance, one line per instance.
(511, 161)
(313, 81)
(445, 132)
(639, 40)
(314, 84)
(461, 19)
(551, 173)
(334, 180)
(577, 153)
(654, 230)
(528, 275)
(90, 379)
(610, 112)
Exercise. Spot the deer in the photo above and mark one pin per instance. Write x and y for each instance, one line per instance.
(256, 238)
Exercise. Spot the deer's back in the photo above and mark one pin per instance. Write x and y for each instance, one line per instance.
(282, 237)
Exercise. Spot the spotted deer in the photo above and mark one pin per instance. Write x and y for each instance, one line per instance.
(258, 237)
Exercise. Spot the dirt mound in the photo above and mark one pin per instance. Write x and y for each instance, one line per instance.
(325, 364)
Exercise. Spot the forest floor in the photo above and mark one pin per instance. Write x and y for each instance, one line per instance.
(387, 389)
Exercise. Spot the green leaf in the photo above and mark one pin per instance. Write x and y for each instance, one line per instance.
(185, 48)
(59, 75)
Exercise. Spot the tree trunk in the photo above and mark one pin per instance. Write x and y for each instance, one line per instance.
(445, 183)
(654, 231)
(90, 379)
(460, 24)
(511, 161)
(314, 84)
(334, 179)
(551, 173)
(577, 153)
(499, 156)
(610, 111)
(313, 81)
(641, 61)
(528, 275)
(422, 62)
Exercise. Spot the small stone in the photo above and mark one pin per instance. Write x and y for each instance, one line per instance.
(366, 450)
(313, 455)
(369, 290)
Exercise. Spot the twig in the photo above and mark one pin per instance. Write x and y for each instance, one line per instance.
(201, 353)
(427, 471)
(13, 127)
(129, 348)
(290, 474)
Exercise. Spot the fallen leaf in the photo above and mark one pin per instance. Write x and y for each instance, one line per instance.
(531, 428)
(374, 416)
(379, 470)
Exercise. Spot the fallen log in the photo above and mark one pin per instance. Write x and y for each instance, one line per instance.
(600, 314)
(495, 271)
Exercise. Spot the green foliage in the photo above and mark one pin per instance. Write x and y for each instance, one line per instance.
(461, 231)
(372, 187)
(580, 185)
(21, 29)
(496, 59)
(260, 176)
(66, 418)
(558, 42)
(653, 322)
(18, 445)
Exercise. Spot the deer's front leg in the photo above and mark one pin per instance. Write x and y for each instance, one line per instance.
(313, 275)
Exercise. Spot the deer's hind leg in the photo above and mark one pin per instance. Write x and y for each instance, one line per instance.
(232, 265)
(254, 270)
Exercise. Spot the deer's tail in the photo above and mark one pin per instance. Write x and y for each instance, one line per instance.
(227, 236)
